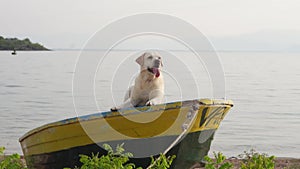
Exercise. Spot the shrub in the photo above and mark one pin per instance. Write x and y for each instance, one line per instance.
(119, 160)
(162, 162)
(11, 161)
(113, 160)
(254, 160)
(218, 162)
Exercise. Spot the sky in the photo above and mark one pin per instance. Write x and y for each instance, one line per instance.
(63, 24)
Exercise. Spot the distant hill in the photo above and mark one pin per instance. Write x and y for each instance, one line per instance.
(16, 44)
(265, 40)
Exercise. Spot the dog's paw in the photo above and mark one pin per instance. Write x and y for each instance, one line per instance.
(114, 109)
(149, 103)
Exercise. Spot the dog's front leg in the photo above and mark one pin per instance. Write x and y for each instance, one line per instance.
(126, 104)
(155, 97)
(154, 101)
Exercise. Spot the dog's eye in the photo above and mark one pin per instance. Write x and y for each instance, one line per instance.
(150, 57)
(159, 58)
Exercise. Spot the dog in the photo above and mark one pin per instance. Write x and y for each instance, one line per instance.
(149, 84)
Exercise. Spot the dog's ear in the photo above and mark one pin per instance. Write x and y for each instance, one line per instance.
(140, 60)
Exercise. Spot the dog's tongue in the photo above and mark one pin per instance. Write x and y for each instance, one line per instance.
(156, 72)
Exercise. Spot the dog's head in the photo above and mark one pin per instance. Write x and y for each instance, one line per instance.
(150, 61)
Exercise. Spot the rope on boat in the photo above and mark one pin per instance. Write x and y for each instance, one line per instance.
(191, 116)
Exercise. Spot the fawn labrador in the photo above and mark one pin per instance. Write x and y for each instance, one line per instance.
(149, 84)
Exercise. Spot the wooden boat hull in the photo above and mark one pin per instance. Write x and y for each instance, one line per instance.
(58, 145)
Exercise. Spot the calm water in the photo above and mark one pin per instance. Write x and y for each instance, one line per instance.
(36, 88)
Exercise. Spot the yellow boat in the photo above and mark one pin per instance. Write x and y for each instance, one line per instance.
(184, 129)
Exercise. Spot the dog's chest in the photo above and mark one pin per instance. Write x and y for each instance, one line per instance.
(150, 84)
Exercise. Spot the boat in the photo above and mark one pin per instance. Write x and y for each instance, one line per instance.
(187, 127)
(14, 52)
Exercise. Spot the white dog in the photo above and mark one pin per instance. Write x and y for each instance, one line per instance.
(149, 85)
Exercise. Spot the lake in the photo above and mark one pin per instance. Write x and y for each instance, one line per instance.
(36, 88)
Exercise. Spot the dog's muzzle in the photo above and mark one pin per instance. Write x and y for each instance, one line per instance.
(157, 63)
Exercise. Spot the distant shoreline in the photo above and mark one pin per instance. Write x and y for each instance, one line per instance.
(14, 44)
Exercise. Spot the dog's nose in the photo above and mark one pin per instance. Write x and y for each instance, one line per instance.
(157, 61)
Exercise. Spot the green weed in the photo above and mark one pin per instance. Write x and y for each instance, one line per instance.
(162, 162)
(119, 160)
(10, 162)
(218, 162)
(255, 160)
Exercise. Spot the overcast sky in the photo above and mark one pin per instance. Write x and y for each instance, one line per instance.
(69, 23)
